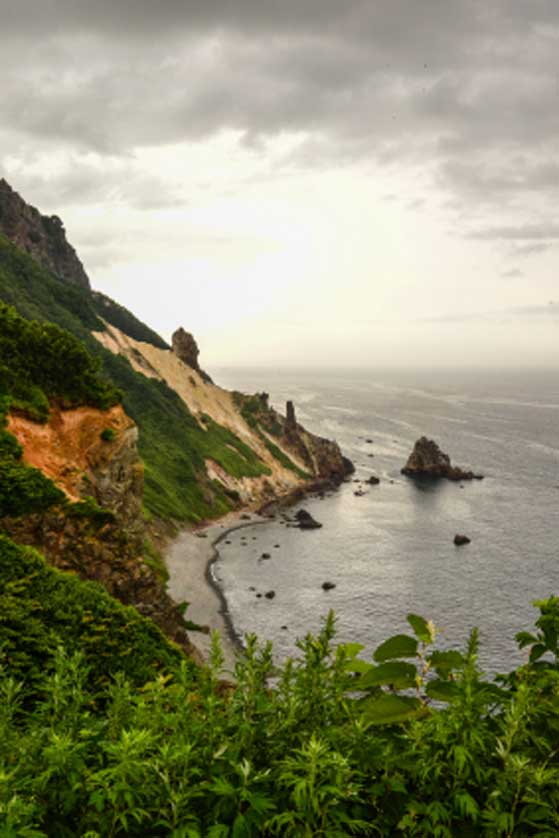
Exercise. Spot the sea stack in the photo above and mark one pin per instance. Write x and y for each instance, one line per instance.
(186, 348)
(427, 460)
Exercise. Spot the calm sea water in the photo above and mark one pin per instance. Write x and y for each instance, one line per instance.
(391, 552)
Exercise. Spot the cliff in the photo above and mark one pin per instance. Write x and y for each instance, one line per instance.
(290, 455)
(42, 236)
(107, 426)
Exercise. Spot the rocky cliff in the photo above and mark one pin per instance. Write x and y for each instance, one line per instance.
(42, 236)
(291, 455)
(92, 455)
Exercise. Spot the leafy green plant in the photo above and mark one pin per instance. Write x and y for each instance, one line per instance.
(286, 750)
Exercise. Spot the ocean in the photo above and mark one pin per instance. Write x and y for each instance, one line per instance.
(391, 551)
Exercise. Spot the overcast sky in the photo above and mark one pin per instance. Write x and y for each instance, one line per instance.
(301, 181)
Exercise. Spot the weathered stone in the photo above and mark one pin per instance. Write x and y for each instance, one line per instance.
(427, 460)
(306, 521)
(42, 236)
(186, 348)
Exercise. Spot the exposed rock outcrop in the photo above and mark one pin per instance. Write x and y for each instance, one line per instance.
(42, 236)
(75, 451)
(306, 521)
(186, 348)
(427, 460)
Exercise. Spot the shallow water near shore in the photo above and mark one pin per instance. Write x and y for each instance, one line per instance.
(390, 551)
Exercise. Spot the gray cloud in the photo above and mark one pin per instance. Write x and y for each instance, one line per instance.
(513, 273)
(469, 91)
(528, 232)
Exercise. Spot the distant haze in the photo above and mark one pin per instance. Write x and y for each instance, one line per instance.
(301, 182)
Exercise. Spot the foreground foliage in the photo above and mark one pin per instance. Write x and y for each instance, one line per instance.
(329, 744)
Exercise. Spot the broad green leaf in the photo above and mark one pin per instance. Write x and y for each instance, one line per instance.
(442, 690)
(537, 651)
(444, 662)
(524, 638)
(398, 646)
(423, 630)
(390, 709)
(396, 673)
(358, 666)
(350, 650)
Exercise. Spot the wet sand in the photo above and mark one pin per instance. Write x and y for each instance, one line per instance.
(189, 560)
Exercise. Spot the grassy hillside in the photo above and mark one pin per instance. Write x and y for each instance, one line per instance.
(43, 610)
(171, 443)
(40, 364)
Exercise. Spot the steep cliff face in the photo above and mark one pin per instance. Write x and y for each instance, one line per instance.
(291, 455)
(92, 454)
(42, 236)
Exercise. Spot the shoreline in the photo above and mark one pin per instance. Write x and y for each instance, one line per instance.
(190, 559)
(192, 554)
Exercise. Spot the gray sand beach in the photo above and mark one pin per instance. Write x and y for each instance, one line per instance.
(188, 560)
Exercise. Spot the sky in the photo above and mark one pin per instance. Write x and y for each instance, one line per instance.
(301, 182)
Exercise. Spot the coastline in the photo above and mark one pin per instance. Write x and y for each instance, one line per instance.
(189, 560)
(192, 554)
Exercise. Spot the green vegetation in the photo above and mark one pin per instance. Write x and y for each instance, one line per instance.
(124, 320)
(256, 413)
(41, 363)
(283, 458)
(43, 609)
(154, 559)
(339, 746)
(108, 434)
(23, 489)
(171, 443)
(88, 509)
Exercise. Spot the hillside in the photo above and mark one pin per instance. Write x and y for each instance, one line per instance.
(111, 436)
(201, 455)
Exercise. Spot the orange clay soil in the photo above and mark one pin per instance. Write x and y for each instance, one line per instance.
(70, 444)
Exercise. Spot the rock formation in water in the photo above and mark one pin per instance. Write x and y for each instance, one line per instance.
(186, 348)
(427, 460)
(42, 236)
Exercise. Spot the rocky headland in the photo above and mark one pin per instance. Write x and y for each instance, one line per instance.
(41, 236)
(428, 461)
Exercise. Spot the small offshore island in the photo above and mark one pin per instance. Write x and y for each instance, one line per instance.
(122, 464)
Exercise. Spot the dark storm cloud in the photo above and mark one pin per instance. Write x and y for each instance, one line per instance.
(468, 89)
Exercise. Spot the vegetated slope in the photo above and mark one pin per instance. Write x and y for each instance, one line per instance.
(43, 610)
(64, 436)
(196, 466)
(172, 444)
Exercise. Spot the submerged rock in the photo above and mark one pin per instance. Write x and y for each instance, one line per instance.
(327, 586)
(372, 480)
(427, 460)
(270, 594)
(459, 540)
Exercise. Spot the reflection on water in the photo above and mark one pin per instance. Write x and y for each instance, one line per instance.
(391, 551)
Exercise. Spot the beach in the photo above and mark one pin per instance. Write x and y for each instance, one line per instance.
(189, 559)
